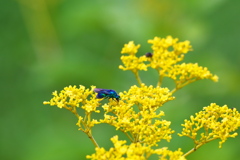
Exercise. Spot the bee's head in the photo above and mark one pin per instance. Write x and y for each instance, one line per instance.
(118, 98)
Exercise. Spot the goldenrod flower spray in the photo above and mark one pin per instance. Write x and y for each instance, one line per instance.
(136, 112)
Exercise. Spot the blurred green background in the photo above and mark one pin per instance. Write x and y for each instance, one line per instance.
(49, 44)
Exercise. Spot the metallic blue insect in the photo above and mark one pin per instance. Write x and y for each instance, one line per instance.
(106, 93)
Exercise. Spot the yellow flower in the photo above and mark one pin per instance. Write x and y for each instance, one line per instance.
(167, 52)
(143, 125)
(75, 97)
(133, 63)
(130, 61)
(71, 98)
(134, 151)
(162, 43)
(165, 154)
(147, 96)
(182, 47)
(184, 74)
(130, 48)
(218, 123)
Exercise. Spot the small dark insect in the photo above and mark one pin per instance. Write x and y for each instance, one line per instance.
(149, 54)
(106, 93)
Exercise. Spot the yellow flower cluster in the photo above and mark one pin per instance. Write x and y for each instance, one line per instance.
(131, 62)
(136, 113)
(72, 98)
(147, 96)
(134, 151)
(75, 97)
(218, 123)
(167, 52)
(184, 74)
(140, 126)
(130, 48)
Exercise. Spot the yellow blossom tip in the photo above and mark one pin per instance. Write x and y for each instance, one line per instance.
(130, 48)
(46, 102)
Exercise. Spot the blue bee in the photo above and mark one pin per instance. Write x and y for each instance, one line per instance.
(107, 93)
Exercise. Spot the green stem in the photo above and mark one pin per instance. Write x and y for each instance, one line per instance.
(192, 150)
(181, 85)
(85, 123)
(90, 136)
(130, 138)
(72, 109)
(174, 90)
(160, 78)
(198, 146)
(137, 77)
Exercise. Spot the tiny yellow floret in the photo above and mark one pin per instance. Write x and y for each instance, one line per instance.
(130, 48)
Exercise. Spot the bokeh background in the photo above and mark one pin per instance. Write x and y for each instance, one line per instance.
(49, 44)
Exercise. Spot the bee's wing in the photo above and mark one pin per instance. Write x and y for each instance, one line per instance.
(104, 91)
(97, 90)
